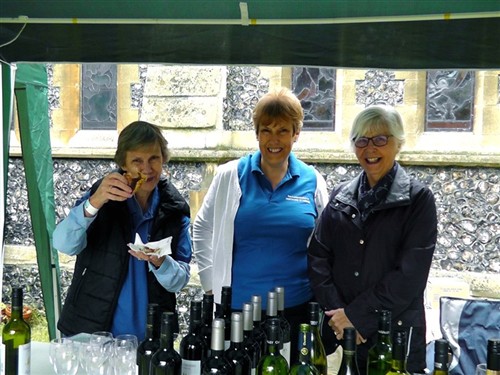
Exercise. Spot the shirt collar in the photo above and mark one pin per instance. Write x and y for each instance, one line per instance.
(293, 167)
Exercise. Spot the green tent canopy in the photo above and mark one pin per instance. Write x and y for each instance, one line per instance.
(391, 34)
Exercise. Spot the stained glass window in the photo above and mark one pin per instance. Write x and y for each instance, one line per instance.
(99, 96)
(450, 100)
(315, 87)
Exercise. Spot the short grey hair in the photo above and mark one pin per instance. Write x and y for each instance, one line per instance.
(378, 118)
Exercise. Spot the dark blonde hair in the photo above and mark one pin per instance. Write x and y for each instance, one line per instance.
(280, 104)
(139, 134)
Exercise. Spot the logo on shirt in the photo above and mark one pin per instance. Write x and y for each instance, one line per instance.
(298, 199)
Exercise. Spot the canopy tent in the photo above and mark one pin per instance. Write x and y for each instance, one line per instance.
(383, 34)
(391, 34)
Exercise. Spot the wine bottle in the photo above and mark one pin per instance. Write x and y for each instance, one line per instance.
(207, 316)
(318, 353)
(304, 365)
(236, 353)
(217, 364)
(166, 360)
(380, 354)
(349, 364)
(193, 349)
(259, 332)
(271, 314)
(441, 352)
(251, 345)
(225, 313)
(272, 362)
(398, 363)
(151, 343)
(493, 357)
(285, 325)
(16, 338)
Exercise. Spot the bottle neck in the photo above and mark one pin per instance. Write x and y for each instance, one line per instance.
(272, 349)
(149, 331)
(384, 337)
(16, 312)
(167, 340)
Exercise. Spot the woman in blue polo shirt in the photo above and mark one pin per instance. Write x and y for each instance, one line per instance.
(252, 230)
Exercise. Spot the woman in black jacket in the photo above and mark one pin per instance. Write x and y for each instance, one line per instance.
(373, 245)
(112, 285)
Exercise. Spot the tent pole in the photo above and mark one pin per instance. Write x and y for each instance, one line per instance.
(253, 21)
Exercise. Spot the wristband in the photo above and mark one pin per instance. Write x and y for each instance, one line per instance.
(91, 210)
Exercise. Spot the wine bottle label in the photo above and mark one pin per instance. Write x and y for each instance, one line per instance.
(25, 359)
(2, 359)
(253, 371)
(285, 352)
(190, 367)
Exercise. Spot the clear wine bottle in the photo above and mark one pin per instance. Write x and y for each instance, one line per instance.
(318, 353)
(380, 354)
(304, 365)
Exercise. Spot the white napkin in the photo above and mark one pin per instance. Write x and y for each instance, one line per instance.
(160, 248)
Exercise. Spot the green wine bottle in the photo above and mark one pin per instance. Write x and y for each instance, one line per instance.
(16, 338)
(318, 353)
(166, 360)
(272, 363)
(380, 354)
(398, 363)
(441, 351)
(304, 365)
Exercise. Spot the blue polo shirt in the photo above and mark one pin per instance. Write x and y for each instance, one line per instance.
(271, 231)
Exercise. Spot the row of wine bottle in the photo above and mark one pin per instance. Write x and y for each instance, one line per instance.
(233, 342)
(388, 355)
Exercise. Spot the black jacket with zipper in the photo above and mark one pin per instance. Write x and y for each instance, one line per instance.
(382, 263)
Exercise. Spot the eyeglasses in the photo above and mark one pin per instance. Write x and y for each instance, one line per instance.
(378, 140)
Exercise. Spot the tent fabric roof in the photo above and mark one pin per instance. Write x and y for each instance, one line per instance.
(390, 34)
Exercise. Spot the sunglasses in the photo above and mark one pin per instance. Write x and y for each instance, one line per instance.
(378, 140)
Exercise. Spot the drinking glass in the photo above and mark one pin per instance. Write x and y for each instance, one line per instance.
(125, 352)
(63, 355)
(481, 369)
(97, 353)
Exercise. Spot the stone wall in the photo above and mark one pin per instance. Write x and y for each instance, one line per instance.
(468, 205)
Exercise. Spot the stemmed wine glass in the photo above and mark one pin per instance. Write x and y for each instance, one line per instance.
(125, 352)
(63, 355)
(97, 352)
